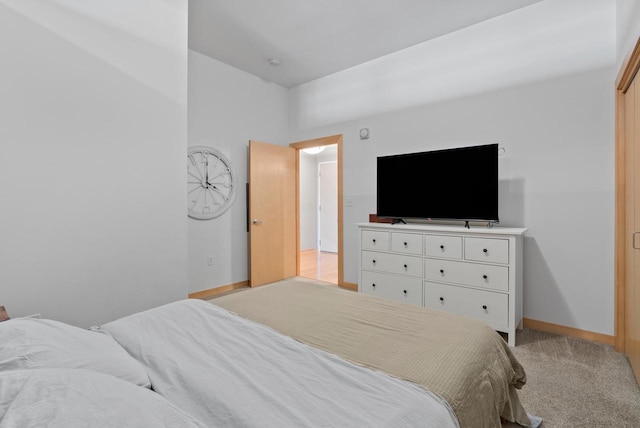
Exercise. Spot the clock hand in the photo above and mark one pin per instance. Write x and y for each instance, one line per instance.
(206, 172)
(220, 184)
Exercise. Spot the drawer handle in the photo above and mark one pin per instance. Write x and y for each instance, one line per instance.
(484, 250)
(442, 247)
(484, 307)
(405, 244)
(484, 277)
(405, 266)
(442, 271)
(442, 299)
(405, 291)
(374, 241)
(373, 285)
(373, 261)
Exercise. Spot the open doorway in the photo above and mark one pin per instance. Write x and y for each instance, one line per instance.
(319, 250)
(319, 213)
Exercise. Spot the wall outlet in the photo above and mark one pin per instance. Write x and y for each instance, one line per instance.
(348, 202)
(210, 261)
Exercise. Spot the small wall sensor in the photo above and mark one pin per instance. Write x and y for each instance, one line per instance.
(364, 134)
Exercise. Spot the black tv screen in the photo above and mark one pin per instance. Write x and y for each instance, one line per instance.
(451, 184)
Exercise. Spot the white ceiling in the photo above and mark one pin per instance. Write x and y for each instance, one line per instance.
(312, 39)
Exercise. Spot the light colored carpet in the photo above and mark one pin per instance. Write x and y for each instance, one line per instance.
(574, 383)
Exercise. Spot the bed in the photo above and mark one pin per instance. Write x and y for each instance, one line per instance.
(291, 354)
(461, 360)
(245, 374)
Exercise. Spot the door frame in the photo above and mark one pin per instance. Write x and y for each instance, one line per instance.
(322, 141)
(627, 73)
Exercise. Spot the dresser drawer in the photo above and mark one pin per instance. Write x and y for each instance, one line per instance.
(409, 243)
(474, 274)
(392, 263)
(488, 306)
(375, 240)
(489, 250)
(400, 288)
(448, 247)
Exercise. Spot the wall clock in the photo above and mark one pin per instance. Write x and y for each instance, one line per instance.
(210, 183)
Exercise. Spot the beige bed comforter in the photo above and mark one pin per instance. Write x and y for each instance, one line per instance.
(463, 361)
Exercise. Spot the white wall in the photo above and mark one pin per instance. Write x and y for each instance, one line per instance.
(92, 143)
(308, 201)
(556, 126)
(227, 108)
(627, 28)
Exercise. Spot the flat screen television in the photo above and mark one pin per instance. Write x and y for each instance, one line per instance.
(450, 184)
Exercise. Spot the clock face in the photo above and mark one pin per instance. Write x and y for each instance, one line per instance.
(210, 183)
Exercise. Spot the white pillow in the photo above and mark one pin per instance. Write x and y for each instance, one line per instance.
(28, 343)
(75, 398)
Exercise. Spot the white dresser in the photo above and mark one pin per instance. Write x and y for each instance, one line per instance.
(474, 272)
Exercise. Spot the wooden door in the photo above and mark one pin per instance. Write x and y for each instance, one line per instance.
(632, 226)
(272, 213)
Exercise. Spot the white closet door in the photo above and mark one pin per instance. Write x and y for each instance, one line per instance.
(328, 207)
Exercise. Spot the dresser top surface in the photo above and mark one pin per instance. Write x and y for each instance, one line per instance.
(418, 227)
